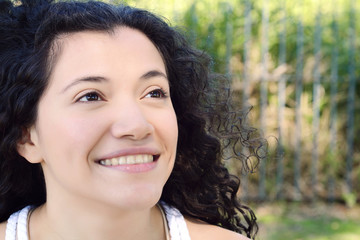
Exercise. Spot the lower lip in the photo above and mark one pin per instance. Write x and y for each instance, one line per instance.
(134, 168)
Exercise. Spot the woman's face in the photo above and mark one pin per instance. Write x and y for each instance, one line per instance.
(106, 129)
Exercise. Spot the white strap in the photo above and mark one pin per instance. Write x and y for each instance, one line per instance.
(176, 222)
(11, 225)
(22, 230)
(17, 225)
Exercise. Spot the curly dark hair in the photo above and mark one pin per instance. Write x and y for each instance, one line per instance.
(200, 186)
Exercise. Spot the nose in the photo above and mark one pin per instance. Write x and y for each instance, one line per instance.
(131, 122)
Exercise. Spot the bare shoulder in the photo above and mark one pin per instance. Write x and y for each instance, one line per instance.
(199, 230)
(2, 230)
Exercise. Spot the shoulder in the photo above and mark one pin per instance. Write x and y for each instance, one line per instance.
(2, 230)
(201, 230)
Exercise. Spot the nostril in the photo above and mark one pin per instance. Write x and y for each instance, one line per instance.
(131, 126)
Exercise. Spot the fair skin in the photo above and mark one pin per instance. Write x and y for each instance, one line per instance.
(106, 106)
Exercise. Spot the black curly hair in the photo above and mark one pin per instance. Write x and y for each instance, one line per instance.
(200, 186)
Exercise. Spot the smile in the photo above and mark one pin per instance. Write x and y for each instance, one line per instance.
(129, 159)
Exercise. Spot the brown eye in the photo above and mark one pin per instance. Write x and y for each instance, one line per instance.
(90, 97)
(158, 93)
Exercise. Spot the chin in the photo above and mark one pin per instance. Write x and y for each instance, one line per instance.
(141, 198)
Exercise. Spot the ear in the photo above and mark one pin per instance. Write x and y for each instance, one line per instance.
(28, 146)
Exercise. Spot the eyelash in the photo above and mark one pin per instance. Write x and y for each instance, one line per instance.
(163, 93)
(90, 94)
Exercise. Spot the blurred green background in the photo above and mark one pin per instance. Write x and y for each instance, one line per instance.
(296, 62)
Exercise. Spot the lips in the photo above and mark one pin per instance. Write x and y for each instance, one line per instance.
(129, 159)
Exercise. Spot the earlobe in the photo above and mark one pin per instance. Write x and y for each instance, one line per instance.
(28, 146)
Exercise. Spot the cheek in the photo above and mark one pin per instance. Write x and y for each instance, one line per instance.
(174, 130)
(166, 125)
(67, 137)
(80, 130)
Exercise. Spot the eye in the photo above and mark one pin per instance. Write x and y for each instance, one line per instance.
(90, 97)
(157, 93)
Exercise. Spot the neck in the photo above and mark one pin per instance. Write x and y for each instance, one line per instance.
(95, 222)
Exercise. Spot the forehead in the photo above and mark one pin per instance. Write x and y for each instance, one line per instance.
(124, 38)
(95, 51)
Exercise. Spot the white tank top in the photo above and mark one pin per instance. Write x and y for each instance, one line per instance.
(16, 228)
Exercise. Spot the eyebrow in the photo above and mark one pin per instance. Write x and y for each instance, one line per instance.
(85, 79)
(148, 75)
(153, 73)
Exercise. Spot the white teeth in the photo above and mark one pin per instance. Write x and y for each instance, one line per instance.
(130, 159)
(122, 160)
(114, 161)
(139, 158)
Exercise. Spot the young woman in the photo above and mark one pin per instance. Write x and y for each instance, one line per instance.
(112, 127)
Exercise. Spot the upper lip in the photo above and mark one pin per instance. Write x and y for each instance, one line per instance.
(130, 151)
